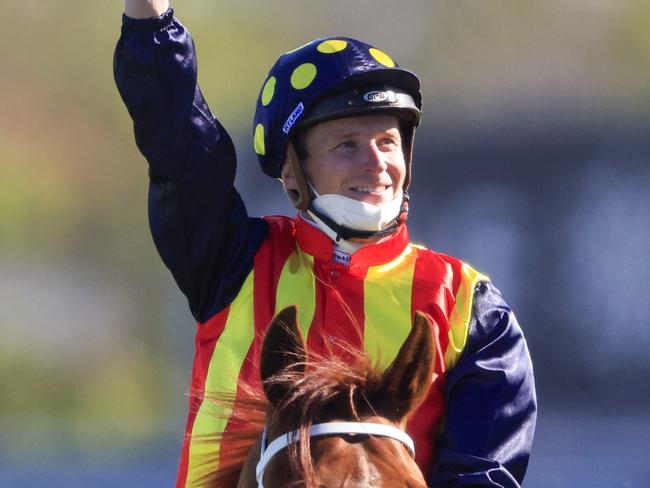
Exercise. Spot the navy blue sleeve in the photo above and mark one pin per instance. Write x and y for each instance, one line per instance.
(491, 402)
(198, 220)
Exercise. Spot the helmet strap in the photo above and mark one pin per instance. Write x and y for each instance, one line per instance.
(300, 197)
(407, 147)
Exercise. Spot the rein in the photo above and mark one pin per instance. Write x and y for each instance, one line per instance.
(329, 428)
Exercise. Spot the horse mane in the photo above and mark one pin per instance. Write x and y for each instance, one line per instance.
(246, 410)
(321, 389)
(330, 388)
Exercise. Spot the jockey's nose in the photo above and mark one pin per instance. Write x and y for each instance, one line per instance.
(374, 160)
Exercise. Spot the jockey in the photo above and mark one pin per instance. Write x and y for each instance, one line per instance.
(335, 122)
(309, 131)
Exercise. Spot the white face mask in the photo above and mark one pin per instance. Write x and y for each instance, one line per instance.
(354, 213)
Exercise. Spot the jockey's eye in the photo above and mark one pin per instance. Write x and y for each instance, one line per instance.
(347, 144)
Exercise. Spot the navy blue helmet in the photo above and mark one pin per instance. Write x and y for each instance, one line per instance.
(326, 79)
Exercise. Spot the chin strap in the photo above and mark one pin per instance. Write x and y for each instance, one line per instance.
(347, 233)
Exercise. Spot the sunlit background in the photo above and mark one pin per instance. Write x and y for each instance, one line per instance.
(532, 164)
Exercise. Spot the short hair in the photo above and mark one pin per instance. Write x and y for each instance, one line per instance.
(298, 139)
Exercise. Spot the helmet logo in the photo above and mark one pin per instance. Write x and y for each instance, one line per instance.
(377, 96)
(291, 120)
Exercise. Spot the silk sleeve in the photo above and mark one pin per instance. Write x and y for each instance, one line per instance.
(491, 402)
(198, 220)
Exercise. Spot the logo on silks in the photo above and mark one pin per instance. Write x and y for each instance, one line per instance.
(291, 120)
(377, 96)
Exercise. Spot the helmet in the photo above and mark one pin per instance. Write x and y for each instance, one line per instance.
(325, 79)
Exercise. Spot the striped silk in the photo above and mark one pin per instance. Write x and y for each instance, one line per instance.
(368, 305)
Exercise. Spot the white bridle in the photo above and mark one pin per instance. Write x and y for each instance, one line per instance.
(365, 428)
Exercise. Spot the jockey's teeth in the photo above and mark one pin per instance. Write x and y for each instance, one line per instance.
(370, 189)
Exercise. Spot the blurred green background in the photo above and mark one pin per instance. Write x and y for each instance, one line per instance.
(95, 340)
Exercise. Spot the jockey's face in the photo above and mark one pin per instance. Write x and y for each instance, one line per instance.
(357, 157)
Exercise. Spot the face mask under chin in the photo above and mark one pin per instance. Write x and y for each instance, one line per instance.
(353, 214)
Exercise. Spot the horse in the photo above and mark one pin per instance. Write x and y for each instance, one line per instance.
(327, 422)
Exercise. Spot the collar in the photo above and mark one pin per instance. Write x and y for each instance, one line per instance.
(316, 243)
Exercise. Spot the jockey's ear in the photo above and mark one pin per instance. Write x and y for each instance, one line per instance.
(283, 348)
(408, 378)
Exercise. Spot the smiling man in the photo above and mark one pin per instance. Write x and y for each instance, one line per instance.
(352, 169)
(357, 157)
(335, 121)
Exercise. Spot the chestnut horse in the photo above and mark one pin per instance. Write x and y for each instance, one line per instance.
(328, 422)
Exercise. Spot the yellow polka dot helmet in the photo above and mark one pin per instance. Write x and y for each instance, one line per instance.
(325, 79)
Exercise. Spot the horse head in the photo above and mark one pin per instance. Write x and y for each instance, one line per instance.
(333, 424)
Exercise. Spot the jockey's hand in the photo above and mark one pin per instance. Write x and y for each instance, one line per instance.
(144, 9)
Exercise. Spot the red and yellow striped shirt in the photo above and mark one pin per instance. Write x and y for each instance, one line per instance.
(369, 304)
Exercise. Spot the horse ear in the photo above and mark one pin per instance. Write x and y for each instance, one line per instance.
(408, 378)
(283, 347)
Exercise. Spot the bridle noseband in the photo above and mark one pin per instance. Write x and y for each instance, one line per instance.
(329, 428)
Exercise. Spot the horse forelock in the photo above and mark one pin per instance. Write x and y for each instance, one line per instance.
(324, 389)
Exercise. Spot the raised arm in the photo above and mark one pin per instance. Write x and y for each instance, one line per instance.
(198, 220)
(491, 403)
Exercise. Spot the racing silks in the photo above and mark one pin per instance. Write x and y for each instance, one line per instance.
(369, 305)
